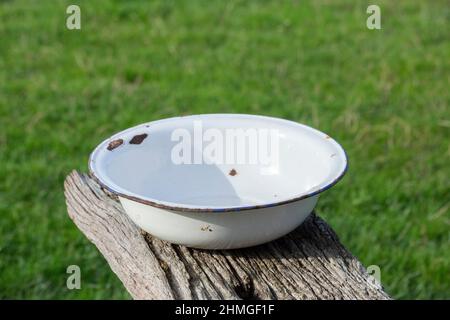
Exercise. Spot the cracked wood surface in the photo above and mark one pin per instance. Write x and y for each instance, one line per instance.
(308, 263)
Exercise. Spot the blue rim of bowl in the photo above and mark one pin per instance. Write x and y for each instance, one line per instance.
(230, 209)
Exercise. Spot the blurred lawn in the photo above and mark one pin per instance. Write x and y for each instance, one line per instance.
(384, 95)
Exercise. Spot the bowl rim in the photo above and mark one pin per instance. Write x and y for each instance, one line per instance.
(184, 208)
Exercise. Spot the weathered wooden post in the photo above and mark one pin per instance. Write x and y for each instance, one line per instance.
(308, 263)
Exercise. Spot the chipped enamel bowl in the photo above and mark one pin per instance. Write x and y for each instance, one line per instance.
(184, 181)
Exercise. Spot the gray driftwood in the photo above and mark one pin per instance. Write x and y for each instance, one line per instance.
(309, 263)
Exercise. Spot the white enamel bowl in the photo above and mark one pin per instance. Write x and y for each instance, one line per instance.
(226, 204)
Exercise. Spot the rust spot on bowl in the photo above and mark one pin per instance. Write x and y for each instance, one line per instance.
(137, 139)
(114, 144)
(232, 172)
(327, 137)
(206, 228)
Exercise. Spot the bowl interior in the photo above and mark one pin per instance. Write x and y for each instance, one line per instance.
(218, 161)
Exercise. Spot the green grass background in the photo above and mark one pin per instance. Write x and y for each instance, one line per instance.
(383, 94)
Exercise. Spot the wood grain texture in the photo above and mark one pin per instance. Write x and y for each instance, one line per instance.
(308, 263)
